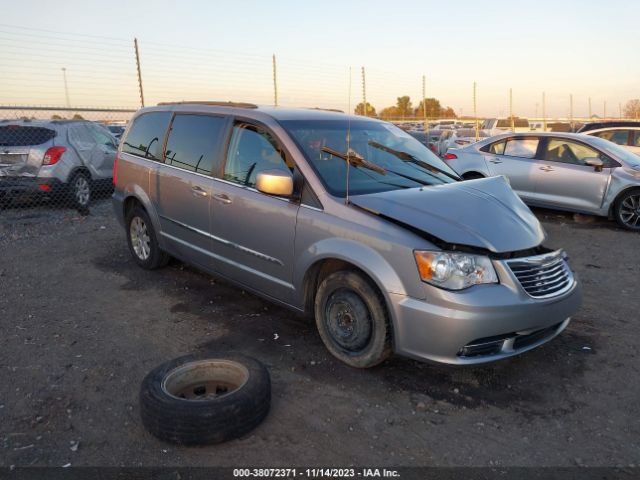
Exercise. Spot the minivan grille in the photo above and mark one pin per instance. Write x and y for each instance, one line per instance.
(543, 276)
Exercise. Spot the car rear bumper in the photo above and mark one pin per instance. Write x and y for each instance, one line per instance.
(20, 186)
(475, 330)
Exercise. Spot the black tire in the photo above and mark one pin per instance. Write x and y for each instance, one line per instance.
(80, 190)
(472, 176)
(155, 258)
(352, 319)
(626, 210)
(210, 419)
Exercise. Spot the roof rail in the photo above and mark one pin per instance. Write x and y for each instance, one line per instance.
(214, 103)
(325, 109)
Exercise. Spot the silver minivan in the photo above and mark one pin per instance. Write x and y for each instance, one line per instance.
(346, 218)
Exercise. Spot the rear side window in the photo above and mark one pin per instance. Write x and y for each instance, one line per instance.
(521, 147)
(194, 142)
(146, 136)
(635, 140)
(20, 136)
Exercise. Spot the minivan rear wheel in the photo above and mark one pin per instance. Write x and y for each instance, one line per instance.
(352, 319)
(142, 240)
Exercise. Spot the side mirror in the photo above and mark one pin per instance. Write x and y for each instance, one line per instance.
(275, 182)
(594, 162)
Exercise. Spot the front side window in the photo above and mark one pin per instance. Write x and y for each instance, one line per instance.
(194, 141)
(102, 136)
(567, 151)
(521, 147)
(146, 135)
(252, 150)
(382, 156)
(620, 137)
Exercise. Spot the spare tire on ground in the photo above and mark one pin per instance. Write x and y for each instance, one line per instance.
(195, 400)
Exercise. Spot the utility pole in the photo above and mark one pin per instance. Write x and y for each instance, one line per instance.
(571, 111)
(475, 111)
(135, 44)
(66, 88)
(364, 94)
(544, 111)
(424, 100)
(513, 125)
(275, 82)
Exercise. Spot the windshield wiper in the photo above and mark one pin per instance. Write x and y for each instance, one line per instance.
(407, 157)
(354, 159)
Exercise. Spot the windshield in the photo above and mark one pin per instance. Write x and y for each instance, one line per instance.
(616, 151)
(402, 161)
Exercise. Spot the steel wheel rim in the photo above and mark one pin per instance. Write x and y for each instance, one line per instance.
(630, 211)
(348, 320)
(140, 239)
(205, 379)
(82, 190)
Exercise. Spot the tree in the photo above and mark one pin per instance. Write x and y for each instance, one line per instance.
(389, 113)
(77, 116)
(448, 113)
(433, 108)
(55, 116)
(371, 111)
(632, 109)
(404, 107)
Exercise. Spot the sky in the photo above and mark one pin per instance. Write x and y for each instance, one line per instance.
(223, 50)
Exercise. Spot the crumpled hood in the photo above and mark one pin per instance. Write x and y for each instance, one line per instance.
(483, 213)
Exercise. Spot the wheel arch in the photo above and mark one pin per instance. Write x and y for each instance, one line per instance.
(617, 198)
(135, 195)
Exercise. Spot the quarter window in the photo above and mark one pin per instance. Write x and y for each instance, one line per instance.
(635, 140)
(193, 142)
(567, 151)
(252, 150)
(496, 148)
(521, 147)
(146, 136)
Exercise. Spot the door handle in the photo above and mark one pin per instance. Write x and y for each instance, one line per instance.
(222, 198)
(495, 161)
(546, 169)
(198, 192)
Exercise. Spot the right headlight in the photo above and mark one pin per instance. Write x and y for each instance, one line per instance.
(454, 271)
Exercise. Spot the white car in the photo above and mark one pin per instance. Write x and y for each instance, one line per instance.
(627, 137)
(453, 139)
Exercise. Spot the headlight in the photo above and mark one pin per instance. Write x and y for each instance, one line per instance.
(454, 271)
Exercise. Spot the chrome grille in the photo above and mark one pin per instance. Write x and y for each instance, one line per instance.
(543, 276)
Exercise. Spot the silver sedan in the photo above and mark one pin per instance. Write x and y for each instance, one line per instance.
(567, 171)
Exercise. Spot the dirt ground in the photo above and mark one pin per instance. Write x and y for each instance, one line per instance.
(81, 326)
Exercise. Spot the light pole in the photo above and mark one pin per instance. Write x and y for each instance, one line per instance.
(66, 87)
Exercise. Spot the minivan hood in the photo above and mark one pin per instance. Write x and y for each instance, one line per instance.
(483, 213)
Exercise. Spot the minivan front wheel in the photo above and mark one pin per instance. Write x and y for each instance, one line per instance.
(142, 240)
(352, 319)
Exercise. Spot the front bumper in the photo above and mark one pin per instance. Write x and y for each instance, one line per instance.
(492, 321)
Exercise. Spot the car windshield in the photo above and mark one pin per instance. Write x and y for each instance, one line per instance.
(616, 151)
(402, 161)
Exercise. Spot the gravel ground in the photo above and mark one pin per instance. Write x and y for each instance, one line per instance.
(82, 325)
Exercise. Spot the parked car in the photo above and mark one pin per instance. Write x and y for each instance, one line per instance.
(429, 139)
(626, 136)
(348, 218)
(457, 139)
(60, 159)
(116, 130)
(495, 126)
(567, 171)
